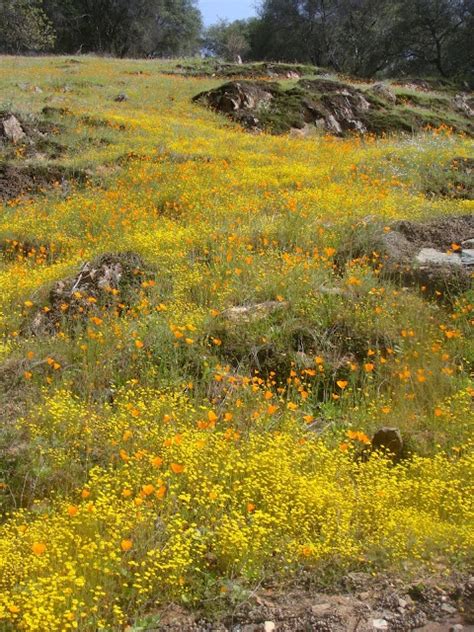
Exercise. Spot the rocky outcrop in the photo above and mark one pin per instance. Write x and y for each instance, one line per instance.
(336, 107)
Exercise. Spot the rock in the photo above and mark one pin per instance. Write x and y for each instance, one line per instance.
(257, 311)
(379, 624)
(456, 628)
(38, 90)
(383, 91)
(417, 254)
(342, 106)
(468, 244)
(468, 601)
(464, 103)
(120, 98)
(12, 129)
(388, 440)
(448, 608)
(104, 283)
(336, 107)
(269, 626)
(467, 257)
(431, 256)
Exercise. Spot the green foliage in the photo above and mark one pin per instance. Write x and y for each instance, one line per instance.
(140, 28)
(24, 27)
(230, 40)
(365, 37)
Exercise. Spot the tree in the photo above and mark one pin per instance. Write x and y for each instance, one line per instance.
(230, 40)
(126, 27)
(437, 34)
(370, 37)
(24, 27)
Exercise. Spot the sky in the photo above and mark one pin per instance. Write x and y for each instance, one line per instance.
(212, 10)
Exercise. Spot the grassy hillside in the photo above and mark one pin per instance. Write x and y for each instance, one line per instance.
(204, 426)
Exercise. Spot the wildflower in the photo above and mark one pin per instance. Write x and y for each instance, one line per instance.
(38, 548)
(177, 468)
(157, 461)
(126, 545)
(72, 510)
(342, 384)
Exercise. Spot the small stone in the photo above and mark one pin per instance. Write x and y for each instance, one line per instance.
(269, 626)
(456, 628)
(448, 608)
(379, 624)
(13, 130)
(403, 603)
(468, 244)
(120, 98)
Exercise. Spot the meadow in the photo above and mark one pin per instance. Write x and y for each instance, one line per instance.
(161, 449)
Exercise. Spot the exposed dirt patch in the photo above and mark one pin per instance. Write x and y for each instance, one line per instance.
(440, 234)
(364, 604)
(333, 106)
(110, 282)
(18, 181)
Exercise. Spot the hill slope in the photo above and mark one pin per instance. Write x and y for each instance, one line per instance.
(202, 335)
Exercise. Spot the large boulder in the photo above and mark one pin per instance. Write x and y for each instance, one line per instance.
(243, 101)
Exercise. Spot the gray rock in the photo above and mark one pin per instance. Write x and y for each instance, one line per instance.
(468, 244)
(388, 440)
(431, 256)
(120, 98)
(383, 91)
(379, 624)
(13, 130)
(448, 608)
(467, 257)
(464, 104)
